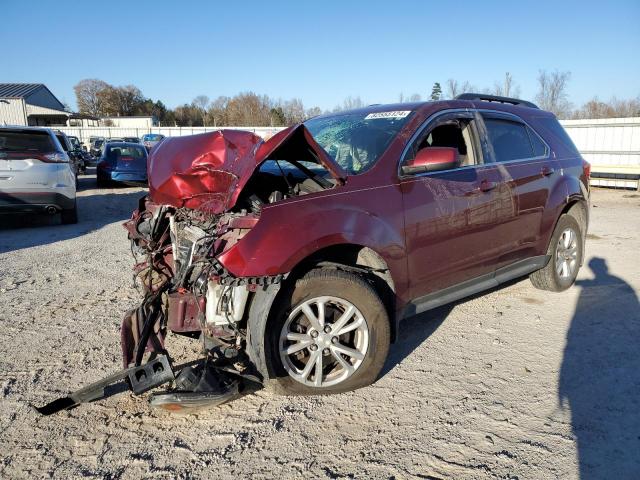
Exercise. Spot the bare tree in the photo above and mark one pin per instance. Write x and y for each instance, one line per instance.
(217, 111)
(313, 112)
(352, 102)
(201, 102)
(415, 97)
(552, 92)
(88, 95)
(454, 88)
(129, 97)
(249, 109)
(615, 108)
(508, 88)
(293, 111)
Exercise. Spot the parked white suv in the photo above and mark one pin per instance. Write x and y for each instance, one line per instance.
(36, 174)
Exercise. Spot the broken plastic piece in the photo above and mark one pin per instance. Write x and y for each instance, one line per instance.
(199, 386)
(152, 374)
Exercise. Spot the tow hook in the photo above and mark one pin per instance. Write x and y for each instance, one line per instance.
(139, 379)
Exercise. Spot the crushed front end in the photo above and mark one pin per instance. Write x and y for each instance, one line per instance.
(206, 192)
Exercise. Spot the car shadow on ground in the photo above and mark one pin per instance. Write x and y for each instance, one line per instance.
(413, 331)
(96, 208)
(600, 376)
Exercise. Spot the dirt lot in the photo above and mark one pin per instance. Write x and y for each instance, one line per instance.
(516, 383)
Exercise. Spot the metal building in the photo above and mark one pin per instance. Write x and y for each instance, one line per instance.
(30, 104)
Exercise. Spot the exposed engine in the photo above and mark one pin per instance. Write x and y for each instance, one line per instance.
(210, 190)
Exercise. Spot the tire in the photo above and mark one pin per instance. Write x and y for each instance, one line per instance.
(337, 291)
(69, 216)
(101, 183)
(560, 273)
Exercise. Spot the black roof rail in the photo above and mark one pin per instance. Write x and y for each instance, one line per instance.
(495, 98)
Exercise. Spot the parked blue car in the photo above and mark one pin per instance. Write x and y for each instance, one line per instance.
(122, 162)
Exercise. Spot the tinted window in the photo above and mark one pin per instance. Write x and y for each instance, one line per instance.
(152, 138)
(510, 140)
(539, 148)
(127, 152)
(62, 141)
(556, 130)
(30, 141)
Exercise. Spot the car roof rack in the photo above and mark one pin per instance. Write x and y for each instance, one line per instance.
(495, 98)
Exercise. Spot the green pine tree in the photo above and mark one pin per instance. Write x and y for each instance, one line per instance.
(436, 91)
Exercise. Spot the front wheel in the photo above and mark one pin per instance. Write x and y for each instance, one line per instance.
(565, 252)
(329, 334)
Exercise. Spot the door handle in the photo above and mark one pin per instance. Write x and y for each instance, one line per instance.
(546, 171)
(487, 185)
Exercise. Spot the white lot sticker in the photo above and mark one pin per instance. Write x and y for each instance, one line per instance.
(396, 114)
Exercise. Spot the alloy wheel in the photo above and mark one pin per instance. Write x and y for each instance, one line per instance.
(567, 254)
(323, 341)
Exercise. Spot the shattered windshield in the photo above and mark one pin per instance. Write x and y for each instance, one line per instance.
(355, 141)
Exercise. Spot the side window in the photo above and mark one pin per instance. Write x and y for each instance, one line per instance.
(449, 131)
(510, 140)
(539, 148)
(558, 133)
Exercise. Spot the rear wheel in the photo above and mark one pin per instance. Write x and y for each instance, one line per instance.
(330, 334)
(101, 182)
(565, 250)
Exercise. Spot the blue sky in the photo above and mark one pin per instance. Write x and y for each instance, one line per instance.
(320, 51)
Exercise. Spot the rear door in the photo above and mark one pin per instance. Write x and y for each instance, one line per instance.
(524, 161)
(453, 218)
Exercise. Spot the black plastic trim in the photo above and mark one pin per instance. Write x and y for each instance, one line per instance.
(496, 98)
(475, 285)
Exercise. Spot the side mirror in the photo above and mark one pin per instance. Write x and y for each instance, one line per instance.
(432, 159)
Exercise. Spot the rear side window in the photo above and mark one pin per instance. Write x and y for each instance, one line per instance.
(26, 141)
(63, 143)
(539, 148)
(558, 132)
(510, 140)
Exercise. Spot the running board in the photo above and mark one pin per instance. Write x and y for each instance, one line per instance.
(475, 285)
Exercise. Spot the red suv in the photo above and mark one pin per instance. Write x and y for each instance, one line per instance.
(294, 259)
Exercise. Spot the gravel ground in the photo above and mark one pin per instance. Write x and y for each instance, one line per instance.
(516, 383)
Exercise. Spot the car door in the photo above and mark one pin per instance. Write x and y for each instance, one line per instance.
(524, 161)
(453, 217)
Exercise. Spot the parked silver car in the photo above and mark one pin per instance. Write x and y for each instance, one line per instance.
(36, 173)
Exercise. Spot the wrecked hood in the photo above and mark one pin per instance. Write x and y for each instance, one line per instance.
(208, 171)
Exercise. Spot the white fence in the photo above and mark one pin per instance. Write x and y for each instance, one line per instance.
(611, 145)
(83, 133)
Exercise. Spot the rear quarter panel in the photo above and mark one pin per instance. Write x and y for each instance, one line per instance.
(570, 183)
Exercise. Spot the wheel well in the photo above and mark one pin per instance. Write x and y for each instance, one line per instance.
(360, 260)
(578, 211)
